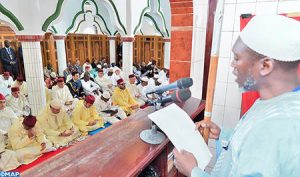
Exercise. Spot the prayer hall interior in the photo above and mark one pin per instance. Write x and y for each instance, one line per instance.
(75, 77)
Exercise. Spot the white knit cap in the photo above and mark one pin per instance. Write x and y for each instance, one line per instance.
(106, 94)
(156, 76)
(145, 79)
(53, 74)
(56, 104)
(99, 66)
(274, 36)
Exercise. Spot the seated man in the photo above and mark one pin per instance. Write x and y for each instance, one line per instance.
(75, 86)
(104, 82)
(143, 88)
(8, 158)
(103, 103)
(28, 140)
(85, 115)
(7, 118)
(89, 87)
(62, 93)
(122, 98)
(18, 103)
(6, 80)
(57, 125)
(19, 82)
(134, 91)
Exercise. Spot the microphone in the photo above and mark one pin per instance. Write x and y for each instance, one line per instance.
(181, 84)
(178, 96)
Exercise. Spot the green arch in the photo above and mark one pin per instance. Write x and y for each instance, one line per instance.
(12, 17)
(54, 16)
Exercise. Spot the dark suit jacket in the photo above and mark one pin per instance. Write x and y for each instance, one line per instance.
(5, 58)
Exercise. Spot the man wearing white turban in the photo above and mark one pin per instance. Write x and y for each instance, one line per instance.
(265, 142)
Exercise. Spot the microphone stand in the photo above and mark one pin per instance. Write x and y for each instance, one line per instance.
(152, 136)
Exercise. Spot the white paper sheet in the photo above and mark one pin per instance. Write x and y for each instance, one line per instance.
(180, 129)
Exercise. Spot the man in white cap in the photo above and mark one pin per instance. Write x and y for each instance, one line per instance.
(57, 125)
(143, 87)
(109, 113)
(18, 103)
(265, 142)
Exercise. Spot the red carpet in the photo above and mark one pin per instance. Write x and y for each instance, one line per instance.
(44, 157)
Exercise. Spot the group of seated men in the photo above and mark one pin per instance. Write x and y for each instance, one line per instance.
(73, 109)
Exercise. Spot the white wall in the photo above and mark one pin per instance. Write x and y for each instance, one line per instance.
(227, 99)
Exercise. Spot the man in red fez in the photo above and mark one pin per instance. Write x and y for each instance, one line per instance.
(6, 80)
(19, 82)
(121, 96)
(18, 102)
(85, 115)
(28, 140)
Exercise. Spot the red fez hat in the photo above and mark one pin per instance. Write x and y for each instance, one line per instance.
(90, 99)
(29, 121)
(6, 74)
(15, 89)
(131, 76)
(100, 71)
(87, 66)
(2, 97)
(60, 79)
(20, 78)
(120, 81)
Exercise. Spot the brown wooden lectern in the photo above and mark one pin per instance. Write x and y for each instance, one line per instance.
(117, 151)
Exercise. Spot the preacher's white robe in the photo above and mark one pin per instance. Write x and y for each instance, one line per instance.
(19, 105)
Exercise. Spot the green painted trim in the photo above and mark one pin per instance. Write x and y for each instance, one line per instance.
(82, 11)
(80, 23)
(141, 17)
(51, 30)
(98, 25)
(117, 14)
(73, 22)
(160, 12)
(115, 32)
(12, 17)
(54, 16)
(155, 24)
(141, 32)
(54, 29)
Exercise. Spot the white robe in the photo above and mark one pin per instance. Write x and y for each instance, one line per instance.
(20, 105)
(89, 87)
(102, 105)
(8, 82)
(7, 118)
(66, 97)
(104, 82)
(23, 88)
(8, 159)
(135, 93)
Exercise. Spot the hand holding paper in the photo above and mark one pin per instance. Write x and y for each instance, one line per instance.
(180, 129)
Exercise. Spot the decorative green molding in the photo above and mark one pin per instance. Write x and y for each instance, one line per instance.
(12, 17)
(98, 25)
(155, 24)
(115, 32)
(54, 16)
(80, 23)
(54, 29)
(160, 12)
(82, 12)
(73, 22)
(141, 17)
(117, 14)
(141, 32)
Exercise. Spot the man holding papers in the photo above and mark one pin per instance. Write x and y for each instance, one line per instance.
(265, 142)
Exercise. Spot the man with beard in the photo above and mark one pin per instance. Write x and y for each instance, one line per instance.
(265, 142)
(122, 98)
